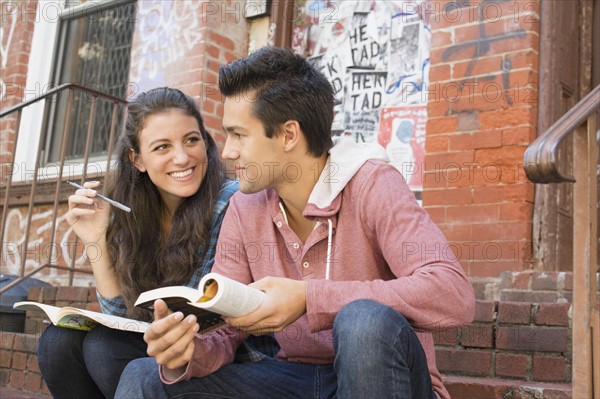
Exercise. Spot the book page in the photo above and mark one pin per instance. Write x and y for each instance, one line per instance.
(77, 322)
(232, 298)
(115, 322)
(81, 319)
(177, 295)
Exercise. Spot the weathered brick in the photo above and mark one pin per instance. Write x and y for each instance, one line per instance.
(517, 211)
(464, 361)
(485, 311)
(549, 368)
(72, 294)
(33, 364)
(528, 296)
(476, 388)
(544, 281)
(33, 382)
(477, 336)
(512, 365)
(532, 338)
(568, 282)
(19, 360)
(564, 393)
(472, 213)
(447, 337)
(47, 295)
(16, 379)
(26, 343)
(5, 359)
(34, 294)
(514, 312)
(501, 230)
(553, 314)
(94, 307)
(6, 340)
(4, 377)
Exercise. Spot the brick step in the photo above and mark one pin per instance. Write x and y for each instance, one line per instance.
(494, 388)
(527, 286)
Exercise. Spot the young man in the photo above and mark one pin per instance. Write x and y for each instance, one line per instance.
(356, 275)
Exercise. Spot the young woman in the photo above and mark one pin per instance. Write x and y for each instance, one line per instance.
(170, 175)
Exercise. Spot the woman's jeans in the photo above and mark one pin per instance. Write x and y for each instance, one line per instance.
(80, 364)
(377, 355)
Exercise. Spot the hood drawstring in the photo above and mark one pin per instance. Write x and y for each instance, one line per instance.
(329, 245)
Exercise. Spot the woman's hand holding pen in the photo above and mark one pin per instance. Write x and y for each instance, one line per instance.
(87, 215)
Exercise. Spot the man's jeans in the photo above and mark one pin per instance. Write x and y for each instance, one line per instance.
(378, 355)
(79, 364)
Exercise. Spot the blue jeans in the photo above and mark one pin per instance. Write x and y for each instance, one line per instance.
(80, 364)
(377, 355)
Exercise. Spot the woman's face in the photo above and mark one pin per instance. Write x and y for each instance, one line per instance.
(173, 154)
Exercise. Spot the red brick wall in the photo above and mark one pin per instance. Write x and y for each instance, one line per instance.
(177, 44)
(18, 360)
(510, 340)
(182, 45)
(482, 115)
(18, 18)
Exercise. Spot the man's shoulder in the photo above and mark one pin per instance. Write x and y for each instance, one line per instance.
(374, 168)
(256, 201)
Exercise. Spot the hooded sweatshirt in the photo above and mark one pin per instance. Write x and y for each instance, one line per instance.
(372, 241)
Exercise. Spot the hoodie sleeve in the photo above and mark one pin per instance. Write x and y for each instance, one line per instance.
(430, 287)
(211, 352)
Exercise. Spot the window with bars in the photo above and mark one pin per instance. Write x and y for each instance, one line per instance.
(93, 50)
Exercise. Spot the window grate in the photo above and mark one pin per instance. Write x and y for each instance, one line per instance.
(94, 50)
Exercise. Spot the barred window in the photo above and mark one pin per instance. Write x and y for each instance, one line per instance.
(93, 49)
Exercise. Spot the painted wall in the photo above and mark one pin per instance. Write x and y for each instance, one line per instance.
(376, 56)
(177, 44)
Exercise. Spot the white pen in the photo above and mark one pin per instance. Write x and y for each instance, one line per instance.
(103, 198)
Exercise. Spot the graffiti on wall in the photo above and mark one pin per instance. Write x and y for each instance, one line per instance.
(165, 33)
(6, 35)
(39, 250)
(481, 47)
(376, 56)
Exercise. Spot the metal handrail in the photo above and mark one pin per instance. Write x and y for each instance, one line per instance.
(18, 109)
(540, 159)
(55, 90)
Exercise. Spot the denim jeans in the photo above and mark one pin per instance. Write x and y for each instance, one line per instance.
(377, 355)
(80, 364)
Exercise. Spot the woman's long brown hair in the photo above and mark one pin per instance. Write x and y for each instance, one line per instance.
(142, 259)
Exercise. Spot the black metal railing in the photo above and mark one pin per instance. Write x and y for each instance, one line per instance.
(7, 185)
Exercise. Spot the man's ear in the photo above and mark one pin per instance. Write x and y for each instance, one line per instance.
(136, 161)
(292, 134)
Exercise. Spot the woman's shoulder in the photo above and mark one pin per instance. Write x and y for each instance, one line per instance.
(228, 188)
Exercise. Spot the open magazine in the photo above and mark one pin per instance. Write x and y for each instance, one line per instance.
(81, 319)
(216, 295)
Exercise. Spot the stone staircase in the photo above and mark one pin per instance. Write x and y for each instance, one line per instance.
(518, 346)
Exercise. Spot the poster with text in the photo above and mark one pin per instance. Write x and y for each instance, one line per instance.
(402, 134)
(364, 96)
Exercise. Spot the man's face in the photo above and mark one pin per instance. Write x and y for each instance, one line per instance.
(258, 159)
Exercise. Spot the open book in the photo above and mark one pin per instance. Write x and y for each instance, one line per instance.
(81, 319)
(216, 295)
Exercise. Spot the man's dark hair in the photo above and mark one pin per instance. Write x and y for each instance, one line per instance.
(287, 87)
